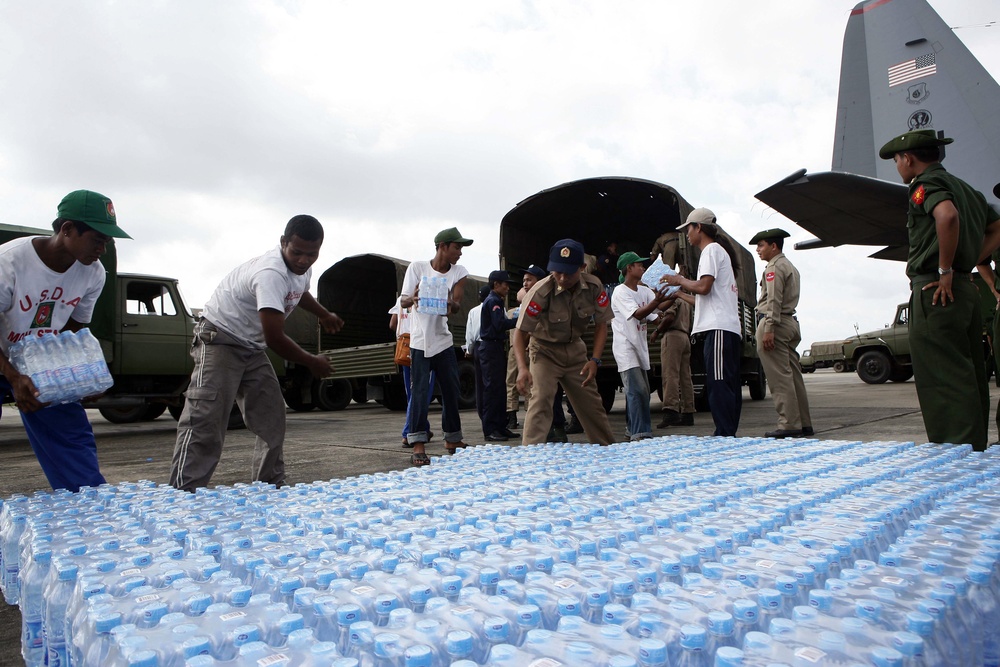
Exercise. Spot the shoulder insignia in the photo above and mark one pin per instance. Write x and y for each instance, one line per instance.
(769, 276)
(496, 306)
(602, 300)
(533, 309)
(918, 195)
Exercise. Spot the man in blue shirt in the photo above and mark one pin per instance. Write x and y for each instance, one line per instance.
(492, 357)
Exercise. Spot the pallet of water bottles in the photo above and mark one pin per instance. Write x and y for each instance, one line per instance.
(670, 551)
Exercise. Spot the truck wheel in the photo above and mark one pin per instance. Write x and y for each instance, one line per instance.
(393, 395)
(333, 395)
(608, 392)
(128, 415)
(466, 385)
(294, 393)
(758, 383)
(154, 410)
(359, 393)
(901, 373)
(874, 367)
(839, 366)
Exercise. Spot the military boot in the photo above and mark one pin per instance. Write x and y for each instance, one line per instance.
(670, 418)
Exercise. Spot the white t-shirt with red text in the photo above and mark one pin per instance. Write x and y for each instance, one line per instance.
(35, 300)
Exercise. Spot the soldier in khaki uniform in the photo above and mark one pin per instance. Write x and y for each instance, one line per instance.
(556, 312)
(951, 229)
(778, 335)
(675, 364)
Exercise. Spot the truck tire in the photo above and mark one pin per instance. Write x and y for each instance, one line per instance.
(393, 396)
(839, 366)
(901, 373)
(466, 385)
(608, 392)
(293, 395)
(359, 392)
(874, 367)
(758, 384)
(333, 395)
(154, 410)
(129, 415)
(235, 422)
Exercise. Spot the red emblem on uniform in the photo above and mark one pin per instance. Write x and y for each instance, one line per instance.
(769, 276)
(111, 209)
(918, 195)
(602, 300)
(496, 307)
(534, 309)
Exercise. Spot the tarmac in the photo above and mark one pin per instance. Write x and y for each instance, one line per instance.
(365, 438)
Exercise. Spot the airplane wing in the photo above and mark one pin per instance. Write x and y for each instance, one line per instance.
(843, 209)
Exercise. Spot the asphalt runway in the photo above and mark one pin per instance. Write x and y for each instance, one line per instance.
(366, 439)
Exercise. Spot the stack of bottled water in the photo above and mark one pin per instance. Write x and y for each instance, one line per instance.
(65, 367)
(433, 295)
(673, 551)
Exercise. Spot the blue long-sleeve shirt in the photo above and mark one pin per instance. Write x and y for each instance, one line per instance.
(494, 323)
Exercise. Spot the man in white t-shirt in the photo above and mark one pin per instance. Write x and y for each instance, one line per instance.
(633, 304)
(716, 317)
(245, 316)
(48, 285)
(432, 345)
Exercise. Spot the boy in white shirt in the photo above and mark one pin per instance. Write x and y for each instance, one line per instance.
(633, 305)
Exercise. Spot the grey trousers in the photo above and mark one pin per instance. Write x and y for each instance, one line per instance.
(224, 372)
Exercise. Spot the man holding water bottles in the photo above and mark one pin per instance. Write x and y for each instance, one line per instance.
(47, 285)
(431, 343)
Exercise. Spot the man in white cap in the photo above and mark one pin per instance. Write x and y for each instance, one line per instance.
(716, 317)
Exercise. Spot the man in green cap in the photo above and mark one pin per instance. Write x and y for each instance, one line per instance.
(778, 335)
(48, 285)
(633, 305)
(947, 220)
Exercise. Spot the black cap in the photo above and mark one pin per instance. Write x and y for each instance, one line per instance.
(536, 271)
(499, 277)
(484, 292)
(566, 256)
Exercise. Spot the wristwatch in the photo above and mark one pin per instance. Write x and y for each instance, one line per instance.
(944, 272)
(596, 360)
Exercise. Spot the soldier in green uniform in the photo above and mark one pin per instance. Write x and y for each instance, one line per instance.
(778, 335)
(947, 220)
(556, 312)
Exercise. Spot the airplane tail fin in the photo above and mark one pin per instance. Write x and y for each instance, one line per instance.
(904, 69)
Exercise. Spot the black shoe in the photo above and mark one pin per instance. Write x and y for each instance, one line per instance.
(512, 421)
(496, 437)
(784, 433)
(510, 434)
(808, 431)
(574, 426)
(687, 419)
(670, 418)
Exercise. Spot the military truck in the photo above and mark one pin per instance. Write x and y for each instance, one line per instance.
(634, 212)
(884, 354)
(362, 289)
(825, 354)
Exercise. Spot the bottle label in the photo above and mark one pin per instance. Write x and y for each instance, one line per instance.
(766, 564)
(545, 662)
(810, 654)
(564, 583)
(362, 590)
(130, 572)
(272, 660)
(147, 598)
(233, 614)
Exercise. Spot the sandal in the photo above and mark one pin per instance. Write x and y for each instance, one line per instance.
(450, 447)
(419, 459)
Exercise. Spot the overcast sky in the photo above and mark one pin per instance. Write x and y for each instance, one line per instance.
(211, 123)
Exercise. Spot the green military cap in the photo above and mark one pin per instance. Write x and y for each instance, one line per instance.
(910, 141)
(769, 234)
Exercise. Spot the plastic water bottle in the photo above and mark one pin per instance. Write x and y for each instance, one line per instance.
(693, 643)
(987, 607)
(11, 567)
(94, 356)
(32, 589)
(57, 596)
